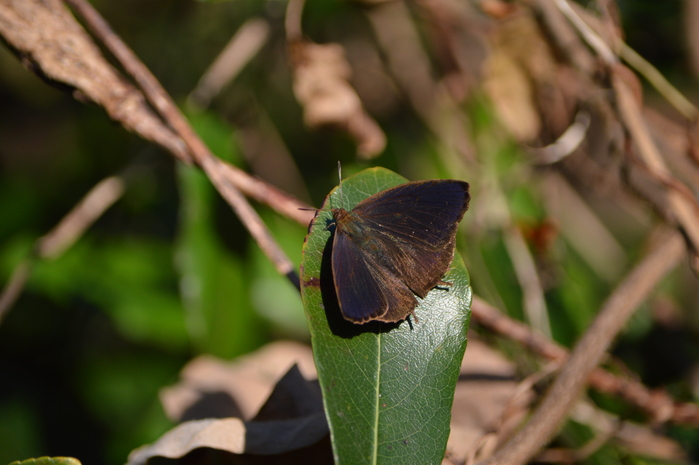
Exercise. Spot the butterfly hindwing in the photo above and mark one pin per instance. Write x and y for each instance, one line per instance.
(365, 290)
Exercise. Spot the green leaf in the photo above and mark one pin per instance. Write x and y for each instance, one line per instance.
(48, 461)
(387, 389)
(273, 295)
(100, 272)
(214, 282)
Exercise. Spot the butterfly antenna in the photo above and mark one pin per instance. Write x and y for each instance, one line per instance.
(339, 175)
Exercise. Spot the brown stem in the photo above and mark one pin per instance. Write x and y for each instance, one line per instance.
(81, 217)
(242, 47)
(164, 104)
(657, 404)
(292, 20)
(63, 235)
(589, 352)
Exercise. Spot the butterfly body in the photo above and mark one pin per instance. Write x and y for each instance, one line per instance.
(393, 246)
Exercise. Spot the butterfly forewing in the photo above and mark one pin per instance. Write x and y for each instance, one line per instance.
(420, 211)
(413, 229)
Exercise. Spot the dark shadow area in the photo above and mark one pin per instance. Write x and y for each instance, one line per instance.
(212, 405)
(486, 377)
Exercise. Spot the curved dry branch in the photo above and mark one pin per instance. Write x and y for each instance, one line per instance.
(51, 43)
(201, 154)
(656, 404)
(588, 353)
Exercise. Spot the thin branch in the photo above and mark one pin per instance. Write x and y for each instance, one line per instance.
(525, 269)
(683, 208)
(214, 168)
(657, 404)
(657, 80)
(292, 20)
(267, 194)
(490, 317)
(590, 36)
(102, 196)
(164, 104)
(81, 217)
(589, 352)
(244, 45)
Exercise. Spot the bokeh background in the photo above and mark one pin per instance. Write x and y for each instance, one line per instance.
(169, 272)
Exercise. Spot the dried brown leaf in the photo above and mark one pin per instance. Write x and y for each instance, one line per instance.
(486, 385)
(292, 419)
(248, 380)
(321, 85)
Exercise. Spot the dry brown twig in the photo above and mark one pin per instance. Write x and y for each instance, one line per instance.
(211, 165)
(81, 66)
(657, 404)
(245, 44)
(102, 196)
(40, 32)
(588, 353)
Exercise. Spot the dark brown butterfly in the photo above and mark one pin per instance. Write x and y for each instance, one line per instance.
(393, 246)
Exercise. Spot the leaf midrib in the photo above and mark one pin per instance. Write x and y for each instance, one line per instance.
(377, 402)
